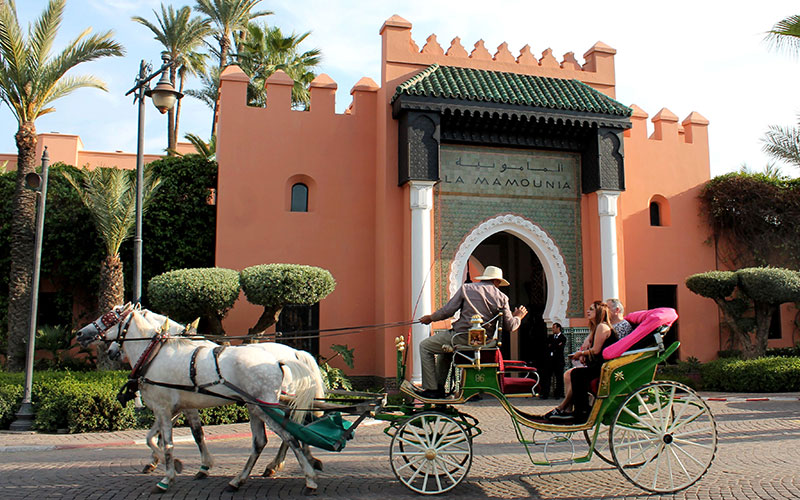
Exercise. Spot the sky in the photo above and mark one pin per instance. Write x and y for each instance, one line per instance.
(703, 56)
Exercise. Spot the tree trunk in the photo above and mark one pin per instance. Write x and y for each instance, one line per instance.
(223, 56)
(763, 320)
(111, 293)
(177, 115)
(23, 223)
(268, 318)
(171, 131)
(737, 334)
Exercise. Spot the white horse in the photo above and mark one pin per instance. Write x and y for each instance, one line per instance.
(247, 372)
(282, 352)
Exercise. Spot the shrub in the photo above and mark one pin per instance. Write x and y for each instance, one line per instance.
(185, 294)
(87, 401)
(10, 398)
(785, 352)
(768, 374)
(276, 285)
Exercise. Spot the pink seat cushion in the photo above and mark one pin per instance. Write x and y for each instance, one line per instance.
(648, 321)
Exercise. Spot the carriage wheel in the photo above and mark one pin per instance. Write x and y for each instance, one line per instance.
(601, 445)
(663, 437)
(430, 453)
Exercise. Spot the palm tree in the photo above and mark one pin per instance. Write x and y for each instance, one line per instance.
(228, 17)
(110, 196)
(31, 79)
(783, 143)
(181, 35)
(207, 150)
(209, 90)
(265, 50)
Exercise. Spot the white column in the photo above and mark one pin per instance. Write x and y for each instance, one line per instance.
(609, 262)
(421, 203)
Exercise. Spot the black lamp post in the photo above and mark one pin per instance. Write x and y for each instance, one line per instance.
(164, 98)
(24, 417)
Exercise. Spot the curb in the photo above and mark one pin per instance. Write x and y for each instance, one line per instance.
(131, 442)
(737, 399)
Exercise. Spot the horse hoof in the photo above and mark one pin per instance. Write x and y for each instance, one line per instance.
(231, 488)
(178, 466)
(201, 475)
(309, 491)
(268, 472)
(148, 468)
(317, 464)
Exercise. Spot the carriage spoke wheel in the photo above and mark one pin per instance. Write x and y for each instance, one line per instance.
(601, 449)
(663, 437)
(430, 453)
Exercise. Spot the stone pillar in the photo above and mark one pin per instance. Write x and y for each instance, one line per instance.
(421, 204)
(609, 262)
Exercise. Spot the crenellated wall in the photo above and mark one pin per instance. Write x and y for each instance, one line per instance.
(402, 56)
(262, 152)
(669, 167)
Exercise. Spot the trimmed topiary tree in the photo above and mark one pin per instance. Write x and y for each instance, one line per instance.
(275, 285)
(737, 292)
(185, 294)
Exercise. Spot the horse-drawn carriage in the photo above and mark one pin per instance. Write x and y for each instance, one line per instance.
(660, 435)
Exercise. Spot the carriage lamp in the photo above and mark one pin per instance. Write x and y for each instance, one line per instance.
(164, 98)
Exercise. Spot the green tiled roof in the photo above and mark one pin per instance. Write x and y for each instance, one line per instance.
(451, 82)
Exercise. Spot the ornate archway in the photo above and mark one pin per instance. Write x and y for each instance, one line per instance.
(542, 245)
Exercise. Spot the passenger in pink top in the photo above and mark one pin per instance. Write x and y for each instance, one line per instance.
(647, 322)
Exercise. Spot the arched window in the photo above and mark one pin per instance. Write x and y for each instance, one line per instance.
(659, 211)
(655, 214)
(299, 198)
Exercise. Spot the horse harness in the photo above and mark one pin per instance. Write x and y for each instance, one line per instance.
(138, 376)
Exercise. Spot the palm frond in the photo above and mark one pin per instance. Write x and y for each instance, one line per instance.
(785, 34)
(110, 196)
(67, 85)
(783, 144)
(45, 30)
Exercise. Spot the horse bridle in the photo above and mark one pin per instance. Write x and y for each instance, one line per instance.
(111, 319)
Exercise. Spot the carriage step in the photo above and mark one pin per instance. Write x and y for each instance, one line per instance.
(409, 389)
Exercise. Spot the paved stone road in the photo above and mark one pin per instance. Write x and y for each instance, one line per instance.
(758, 458)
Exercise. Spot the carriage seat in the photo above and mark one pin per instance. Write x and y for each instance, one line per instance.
(516, 385)
(656, 321)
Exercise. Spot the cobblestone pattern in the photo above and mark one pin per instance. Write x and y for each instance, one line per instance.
(758, 458)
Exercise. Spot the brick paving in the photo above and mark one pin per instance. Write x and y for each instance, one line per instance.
(758, 458)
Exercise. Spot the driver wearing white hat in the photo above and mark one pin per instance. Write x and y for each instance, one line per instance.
(482, 297)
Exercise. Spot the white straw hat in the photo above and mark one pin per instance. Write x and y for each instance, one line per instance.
(492, 273)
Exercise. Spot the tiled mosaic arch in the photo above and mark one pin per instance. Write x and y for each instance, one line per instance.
(542, 245)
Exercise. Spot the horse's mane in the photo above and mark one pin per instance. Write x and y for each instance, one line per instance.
(174, 329)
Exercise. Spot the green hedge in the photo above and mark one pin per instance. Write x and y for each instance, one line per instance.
(87, 401)
(768, 374)
(279, 284)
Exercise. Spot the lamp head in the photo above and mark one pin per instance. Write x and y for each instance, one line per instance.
(164, 94)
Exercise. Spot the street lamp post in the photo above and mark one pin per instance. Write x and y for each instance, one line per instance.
(24, 417)
(164, 97)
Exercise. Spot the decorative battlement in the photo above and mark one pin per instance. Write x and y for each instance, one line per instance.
(399, 48)
(692, 130)
(233, 90)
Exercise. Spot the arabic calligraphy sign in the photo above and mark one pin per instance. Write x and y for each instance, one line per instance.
(509, 172)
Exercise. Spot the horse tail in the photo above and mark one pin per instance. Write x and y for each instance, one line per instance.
(302, 379)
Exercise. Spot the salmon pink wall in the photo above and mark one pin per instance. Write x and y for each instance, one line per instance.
(260, 151)
(671, 164)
